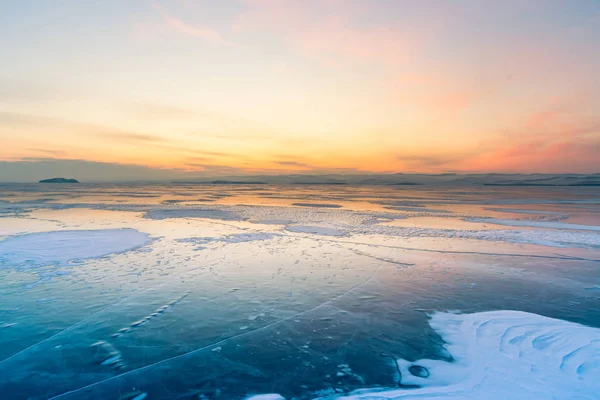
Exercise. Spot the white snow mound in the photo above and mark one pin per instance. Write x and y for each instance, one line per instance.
(502, 355)
(62, 247)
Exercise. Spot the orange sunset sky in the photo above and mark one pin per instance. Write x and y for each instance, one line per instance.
(302, 86)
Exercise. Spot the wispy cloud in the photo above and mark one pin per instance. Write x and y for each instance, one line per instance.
(178, 25)
(129, 137)
(49, 152)
(294, 164)
(84, 133)
(427, 162)
(202, 154)
(25, 120)
(208, 169)
(18, 119)
(234, 127)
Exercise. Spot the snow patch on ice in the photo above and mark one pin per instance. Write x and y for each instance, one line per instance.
(556, 215)
(417, 209)
(273, 221)
(192, 213)
(64, 247)
(551, 238)
(248, 237)
(536, 224)
(315, 230)
(317, 205)
(234, 238)
(266, 397)
(336, 222)
(502, 355)
(339, 222)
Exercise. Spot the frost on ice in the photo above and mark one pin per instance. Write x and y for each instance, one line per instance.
(62, 247)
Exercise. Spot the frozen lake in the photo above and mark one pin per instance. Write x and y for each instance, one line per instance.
(299, 292)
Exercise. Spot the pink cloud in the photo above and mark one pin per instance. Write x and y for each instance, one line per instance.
(333, 33)
(326, 30)
(335, 39)
(555, 139)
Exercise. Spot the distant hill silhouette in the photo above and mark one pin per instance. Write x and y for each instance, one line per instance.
(59, 180)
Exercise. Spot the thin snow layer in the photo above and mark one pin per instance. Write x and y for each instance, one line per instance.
(317, 205)
(547, 215)
(417, 209)
(192, 213)
(537, 224)
(308, 215)
(270, 396)
(551, 238)
(235, 238)
(337, 222)
(315, 230)
(62, 247)
(503, 355)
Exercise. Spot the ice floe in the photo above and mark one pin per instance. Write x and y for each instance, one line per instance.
(63, 247)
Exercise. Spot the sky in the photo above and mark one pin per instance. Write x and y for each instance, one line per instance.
(232, 87)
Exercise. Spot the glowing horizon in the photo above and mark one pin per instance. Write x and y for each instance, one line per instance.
(268, 86)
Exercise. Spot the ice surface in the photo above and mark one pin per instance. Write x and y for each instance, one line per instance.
(307, 301)
(62, 247)
(337, 222)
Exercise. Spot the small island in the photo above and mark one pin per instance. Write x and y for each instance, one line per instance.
(59, 180)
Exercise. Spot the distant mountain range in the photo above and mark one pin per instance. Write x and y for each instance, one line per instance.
(398, 180)
(410, 179)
